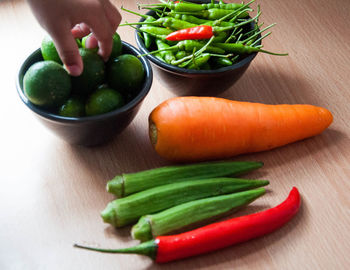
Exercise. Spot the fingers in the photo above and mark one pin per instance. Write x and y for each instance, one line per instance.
(102, 23)
(68, 50)
(80, 30)
(103, 26)
(112, 14)
(103, 32)
(91, 42)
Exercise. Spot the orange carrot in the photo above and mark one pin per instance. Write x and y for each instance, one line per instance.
(205, 128)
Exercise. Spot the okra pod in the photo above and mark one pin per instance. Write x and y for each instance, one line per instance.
(128, 210)
(183, 215)
(126, 184)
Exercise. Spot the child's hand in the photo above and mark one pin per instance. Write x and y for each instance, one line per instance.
(66, 20)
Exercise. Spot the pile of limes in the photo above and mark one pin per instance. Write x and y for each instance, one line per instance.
(101, 88)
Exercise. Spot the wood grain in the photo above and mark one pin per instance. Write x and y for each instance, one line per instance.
(51, 193)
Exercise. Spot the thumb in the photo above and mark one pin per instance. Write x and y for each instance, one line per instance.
(69, 52)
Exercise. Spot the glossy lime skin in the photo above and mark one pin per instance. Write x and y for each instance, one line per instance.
(126, 74)
(93, 73)
(117, 46)
(73, 107)
(47, 84)
(103, 100)
(48, 50)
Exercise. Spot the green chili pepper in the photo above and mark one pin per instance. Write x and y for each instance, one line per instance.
(167, 55)
(221, 62)
(212, 14)
(158, 55)
(190, 7)
(157, 31)
(180, 54)
(168, 22)
(239, 48)
(183, 215)
(206, 66)
(199, 61)
(190, 45)
(220, 37)
(152, 31)
(199, 21)
(148, 39)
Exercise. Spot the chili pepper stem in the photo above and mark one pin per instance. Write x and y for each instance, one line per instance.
(239, 11)
(148, 248)
(249, 21)
(140, 23)
(261, 38)
(190, 57)
(272, 53)
(135, 13)
(257, 33)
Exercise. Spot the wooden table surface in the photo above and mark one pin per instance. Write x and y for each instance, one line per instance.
(52, 193)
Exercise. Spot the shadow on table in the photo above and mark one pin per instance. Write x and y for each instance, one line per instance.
(130, 152)
(272, 86)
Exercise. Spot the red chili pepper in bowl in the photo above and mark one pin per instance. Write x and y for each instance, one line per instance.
(215, 236)
(197, 32)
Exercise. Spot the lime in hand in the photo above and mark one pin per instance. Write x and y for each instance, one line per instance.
(83, 43)
(116, 49)
(93, 73)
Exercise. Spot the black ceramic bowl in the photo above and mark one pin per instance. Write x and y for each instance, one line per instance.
(186, 82)
(90, 130)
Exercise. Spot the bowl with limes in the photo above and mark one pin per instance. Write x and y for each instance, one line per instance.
(94, 107)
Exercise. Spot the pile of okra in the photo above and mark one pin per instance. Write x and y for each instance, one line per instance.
(169, 199)
(201, 36)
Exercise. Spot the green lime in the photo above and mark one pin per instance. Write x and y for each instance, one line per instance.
(83, 42)
(48, 50)
(117, 46)
(73, 107)
(47, 84)
(126, 74)
(103, 100)
(93, 73)
(116, 49)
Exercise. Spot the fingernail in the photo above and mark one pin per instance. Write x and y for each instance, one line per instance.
(91, 43)
(74, 70)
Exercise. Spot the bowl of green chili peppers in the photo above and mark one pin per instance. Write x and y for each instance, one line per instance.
(199, 47)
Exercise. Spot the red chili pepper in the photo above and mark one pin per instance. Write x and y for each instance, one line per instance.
(197, 32)
(217, 235)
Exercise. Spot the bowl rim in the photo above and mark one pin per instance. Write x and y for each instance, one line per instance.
(84, 119)
(189, 72)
